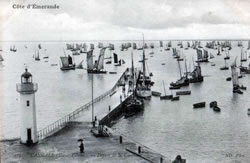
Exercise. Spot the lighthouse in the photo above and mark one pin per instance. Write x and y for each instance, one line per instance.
(27, 90)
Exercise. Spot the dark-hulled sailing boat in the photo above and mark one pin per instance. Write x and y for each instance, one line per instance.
(183, 81)
(116, 61)
(144, 83)
(134, 105)
(196, 75)
(202, 57)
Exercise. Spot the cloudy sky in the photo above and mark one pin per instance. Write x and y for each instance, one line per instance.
(126, 19)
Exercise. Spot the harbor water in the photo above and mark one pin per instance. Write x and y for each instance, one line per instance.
(171, 128)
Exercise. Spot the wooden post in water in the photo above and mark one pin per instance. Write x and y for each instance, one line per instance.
(92, 85)
(120, 139)
(139, 149)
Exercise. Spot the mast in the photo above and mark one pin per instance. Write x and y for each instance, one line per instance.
(143, 61)
(186, 66)
(164, 87)
(179, 67)
(133, 77)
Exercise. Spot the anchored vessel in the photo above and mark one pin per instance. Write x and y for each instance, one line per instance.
(235, 80)
(67, 63)
(144, 83)
(196, 75)
(98, 67)
(200, 57)
(183, 81)
(134, 105)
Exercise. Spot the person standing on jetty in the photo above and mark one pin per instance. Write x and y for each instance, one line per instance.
(81, 147)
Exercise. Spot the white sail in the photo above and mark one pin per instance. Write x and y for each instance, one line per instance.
(37, 55)
(65, 61)
(90, 65)
(205, 54)
(211, 56)
(100, 62)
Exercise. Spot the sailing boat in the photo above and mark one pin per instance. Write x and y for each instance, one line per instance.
(152, 47)
(118, 63)
(200, 57)
(225, 67)
(100, 45)
(37, 58)
(1, 58)
(196, 75)
(175, 53)
(109, 58)
(46, 56)
(13, 49)
(244, 69)
(92, 46)
(219, 51)
(98, 67)
(211, 56)
(235, 80)
(83, 48)
(227, 55)
(67, 63)
(183, 81)
(165, 97)
(134, 105)
(144, 83)
(179, 58)
(242, 58)
(161, 44)
(134, 46)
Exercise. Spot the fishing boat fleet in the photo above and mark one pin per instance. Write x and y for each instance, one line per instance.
(97, 55)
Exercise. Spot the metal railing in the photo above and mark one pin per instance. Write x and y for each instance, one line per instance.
(60, 123)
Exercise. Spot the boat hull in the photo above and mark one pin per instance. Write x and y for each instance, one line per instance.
(199, 105)
(144, 93)
(68, 68)
(196, 80)
(97, 71)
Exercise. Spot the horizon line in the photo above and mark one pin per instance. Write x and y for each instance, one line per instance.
(217, 39)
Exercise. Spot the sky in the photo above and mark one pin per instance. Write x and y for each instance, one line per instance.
(125, 20)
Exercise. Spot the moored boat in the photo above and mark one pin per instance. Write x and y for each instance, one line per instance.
(98, 67)
(67, 63)
(155, 93)
(183, 93)
(199, 105)
(216, 109)
(175, 98)
(213, 104)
